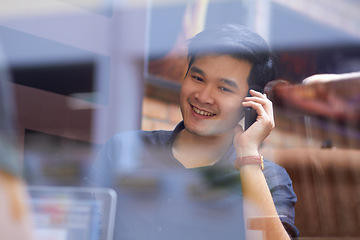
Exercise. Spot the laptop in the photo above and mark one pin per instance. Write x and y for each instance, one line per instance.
(73, 213)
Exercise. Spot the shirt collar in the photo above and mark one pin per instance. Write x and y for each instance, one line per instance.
(175, 132)
(229, 156)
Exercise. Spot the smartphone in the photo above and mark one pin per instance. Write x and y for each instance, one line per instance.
(250, 117)
(250, 113)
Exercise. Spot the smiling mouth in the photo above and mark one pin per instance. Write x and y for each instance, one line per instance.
(202, 112)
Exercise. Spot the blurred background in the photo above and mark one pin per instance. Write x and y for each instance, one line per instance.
(73, 73)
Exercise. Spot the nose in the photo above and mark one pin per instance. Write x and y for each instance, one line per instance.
(205, 95)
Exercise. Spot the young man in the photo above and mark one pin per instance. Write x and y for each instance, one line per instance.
(190, 183)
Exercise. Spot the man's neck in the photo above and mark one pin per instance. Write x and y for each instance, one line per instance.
(199, 151)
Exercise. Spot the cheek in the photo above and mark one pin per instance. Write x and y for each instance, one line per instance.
(239, 114)
(185, 92)
(235, 111)
(239, 111)
(242, 112)
(184, 87)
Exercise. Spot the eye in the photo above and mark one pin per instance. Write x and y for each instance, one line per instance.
(196, 78)
(225, 89)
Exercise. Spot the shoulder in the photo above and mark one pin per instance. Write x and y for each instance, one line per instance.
(275, 175)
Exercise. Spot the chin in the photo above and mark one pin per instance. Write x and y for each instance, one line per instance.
(202, 131)
(208, 127)
(194, 129)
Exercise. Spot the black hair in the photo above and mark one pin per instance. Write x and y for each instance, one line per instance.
(239, 42)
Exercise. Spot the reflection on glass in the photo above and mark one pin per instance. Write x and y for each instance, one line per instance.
(77, 71)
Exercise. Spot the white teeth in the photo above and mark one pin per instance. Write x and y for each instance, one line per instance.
(203, 113)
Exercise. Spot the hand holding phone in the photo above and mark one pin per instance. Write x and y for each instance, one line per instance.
(248, 140)
(250, 113)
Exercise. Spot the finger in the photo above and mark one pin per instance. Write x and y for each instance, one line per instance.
(256, 93)
(265, 102)
(262, 101)
(258, 107)
(262, 112)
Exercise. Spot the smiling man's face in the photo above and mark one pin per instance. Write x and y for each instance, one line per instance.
(211, 94)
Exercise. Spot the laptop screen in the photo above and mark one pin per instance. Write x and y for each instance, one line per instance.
(73, 213)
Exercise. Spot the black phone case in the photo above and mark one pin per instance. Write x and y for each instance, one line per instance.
(250, 117)
(250, 113)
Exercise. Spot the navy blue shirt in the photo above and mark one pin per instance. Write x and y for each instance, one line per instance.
(158, 198)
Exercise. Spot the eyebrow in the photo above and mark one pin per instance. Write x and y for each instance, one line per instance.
(229, 82)
(197, 70)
